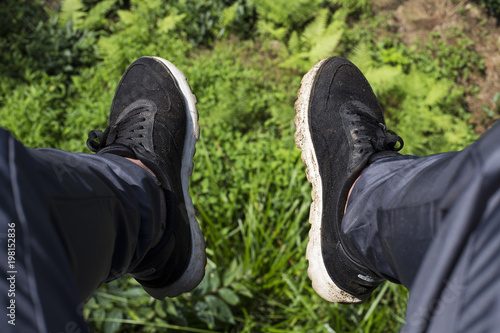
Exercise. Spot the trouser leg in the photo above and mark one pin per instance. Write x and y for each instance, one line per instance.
(78, 220)
(432, 224)
(393, 212)
(457, 288)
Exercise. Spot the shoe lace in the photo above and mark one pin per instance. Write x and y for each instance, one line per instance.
(129, 129)
(96, 145)
(386, 139)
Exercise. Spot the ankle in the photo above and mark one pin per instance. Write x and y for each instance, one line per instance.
(163, 212)
(350, 191)
(139, 163)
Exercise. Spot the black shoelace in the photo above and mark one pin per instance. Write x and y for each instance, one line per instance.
(128, 131)
(101, 136)
(386, 139)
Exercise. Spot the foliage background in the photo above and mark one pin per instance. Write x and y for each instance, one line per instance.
(244, 59)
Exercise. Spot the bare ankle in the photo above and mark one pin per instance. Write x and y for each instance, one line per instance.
(349, 195)
(139, 163)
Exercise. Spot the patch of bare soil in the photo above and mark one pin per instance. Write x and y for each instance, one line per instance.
(52, 3)
(414, 20)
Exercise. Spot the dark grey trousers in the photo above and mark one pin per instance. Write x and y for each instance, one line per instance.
(433, 225)
(68, 222)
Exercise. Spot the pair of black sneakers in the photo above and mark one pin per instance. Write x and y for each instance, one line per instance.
(340, 127)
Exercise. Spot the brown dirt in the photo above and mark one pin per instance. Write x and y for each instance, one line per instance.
(52, 3)
(413, 20)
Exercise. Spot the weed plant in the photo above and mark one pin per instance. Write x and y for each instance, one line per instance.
(244, 61)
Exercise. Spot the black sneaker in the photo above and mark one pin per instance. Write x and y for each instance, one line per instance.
(154, 119)
(340, 127)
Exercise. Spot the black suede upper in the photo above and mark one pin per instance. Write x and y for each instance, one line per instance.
(148, 122)
(347, 127)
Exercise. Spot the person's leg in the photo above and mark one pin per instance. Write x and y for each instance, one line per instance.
(154, 119)
(395, 211)
(340, 128)
(433, 225)
(457, 288)
(75, 221)
(79, 220)
(430, 223)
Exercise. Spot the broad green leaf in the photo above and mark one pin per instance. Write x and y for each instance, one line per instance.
(220, 309)
(159, 309)
(229, 296)
(113, 326)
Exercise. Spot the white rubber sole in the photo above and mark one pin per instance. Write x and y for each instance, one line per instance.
(195, 271)
(321, 281)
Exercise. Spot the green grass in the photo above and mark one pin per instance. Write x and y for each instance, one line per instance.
(249, 186)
